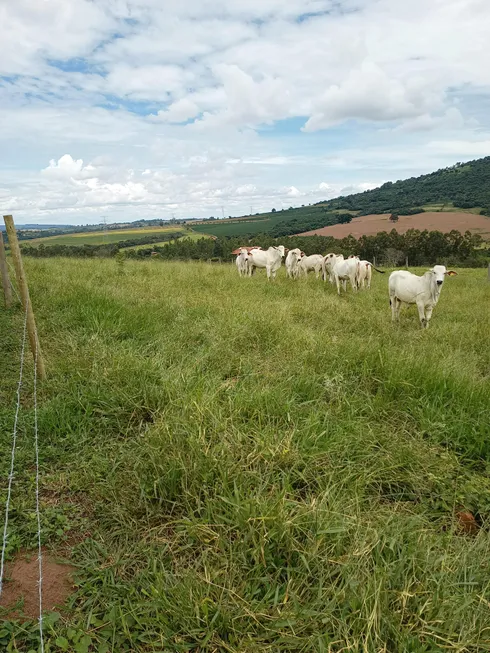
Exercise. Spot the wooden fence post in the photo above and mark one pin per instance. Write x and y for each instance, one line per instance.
(24, 293)
(4, 271)
(406, 262)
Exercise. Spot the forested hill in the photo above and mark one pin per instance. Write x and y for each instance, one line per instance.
(465, 185)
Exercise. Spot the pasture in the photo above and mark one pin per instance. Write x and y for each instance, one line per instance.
(235, 465)
(185, 234)
(101, 238)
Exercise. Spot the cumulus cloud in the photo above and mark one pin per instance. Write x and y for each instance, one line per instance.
(194, 105)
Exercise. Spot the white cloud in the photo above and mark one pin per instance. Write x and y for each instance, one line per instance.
(368, 93)
(462, 148)
(179, 111)
(105, 93)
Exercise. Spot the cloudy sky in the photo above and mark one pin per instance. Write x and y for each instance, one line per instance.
(129, 109)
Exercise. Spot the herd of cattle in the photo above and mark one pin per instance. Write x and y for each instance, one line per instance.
(404, 287)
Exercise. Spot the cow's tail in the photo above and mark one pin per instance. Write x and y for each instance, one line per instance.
(377, 269)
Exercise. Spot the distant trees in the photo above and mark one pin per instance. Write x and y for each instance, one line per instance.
(344, 218)
(273, 211)
(421, 247)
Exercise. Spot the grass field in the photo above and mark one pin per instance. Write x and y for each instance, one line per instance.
(99, 238)
(187, 234)
(256, 224)
(240, 466)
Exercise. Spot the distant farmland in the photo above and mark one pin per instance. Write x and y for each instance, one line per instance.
(258, 224)
(188, 234)
(368, 225)
(101, 238)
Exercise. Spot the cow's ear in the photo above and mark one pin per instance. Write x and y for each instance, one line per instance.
(451, 273)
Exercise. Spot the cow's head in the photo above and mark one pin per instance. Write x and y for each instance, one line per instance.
(439, 272)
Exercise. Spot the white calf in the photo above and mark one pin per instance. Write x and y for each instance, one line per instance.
(344, 271)
(269, 259)
(293, 260)
(330, 260)
(242, 262)
(365, 274)
(408, 288)
(314, 262)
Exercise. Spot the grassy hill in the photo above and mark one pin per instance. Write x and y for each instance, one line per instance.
(464, 185)
(232, 469)
(275, 223)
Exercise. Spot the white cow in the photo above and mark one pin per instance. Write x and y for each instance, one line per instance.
(330, 262)
(314, 262)
(242, 262)
(365, 274)
(343, 270)
(269, 259)
(408, 288)
(293, 260)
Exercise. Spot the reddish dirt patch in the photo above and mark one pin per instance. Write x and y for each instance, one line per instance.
(21, 583)
(369, 225)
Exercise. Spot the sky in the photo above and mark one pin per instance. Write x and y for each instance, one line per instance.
(121, 110)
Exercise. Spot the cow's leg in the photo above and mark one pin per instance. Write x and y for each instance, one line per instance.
(394, 308)
(344, 284)
(337, 281)
(428, 315)
(423, 320)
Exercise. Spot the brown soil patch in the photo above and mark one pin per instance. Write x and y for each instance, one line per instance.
(21, 584)
(370, 225)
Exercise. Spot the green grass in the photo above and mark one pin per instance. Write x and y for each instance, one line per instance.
(99, 238)
(449, 207)
(241, 466)
(188, 234)
(257, 224)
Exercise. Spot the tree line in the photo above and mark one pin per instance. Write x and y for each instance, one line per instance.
(389, 248)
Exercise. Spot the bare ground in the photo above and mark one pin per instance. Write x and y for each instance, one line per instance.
(368, 225)
(20, 596)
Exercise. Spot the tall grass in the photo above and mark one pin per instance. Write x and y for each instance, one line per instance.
(243, 466)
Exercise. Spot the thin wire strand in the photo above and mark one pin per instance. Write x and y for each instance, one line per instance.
(12, 457)
(38, 513)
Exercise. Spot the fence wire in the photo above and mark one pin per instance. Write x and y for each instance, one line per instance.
(12, 455)
(11, 477)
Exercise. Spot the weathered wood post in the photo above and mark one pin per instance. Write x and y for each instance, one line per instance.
(4, 271)
(406, 262)
(24, 293)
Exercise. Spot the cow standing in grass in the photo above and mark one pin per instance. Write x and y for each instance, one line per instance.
(242, 262)
(424, 291)
(293, 262)
(314, 262)
(270, 259)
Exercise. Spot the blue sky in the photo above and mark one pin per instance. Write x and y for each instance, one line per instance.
(141, 108)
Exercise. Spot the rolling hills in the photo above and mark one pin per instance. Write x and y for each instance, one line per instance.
(454, 192)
